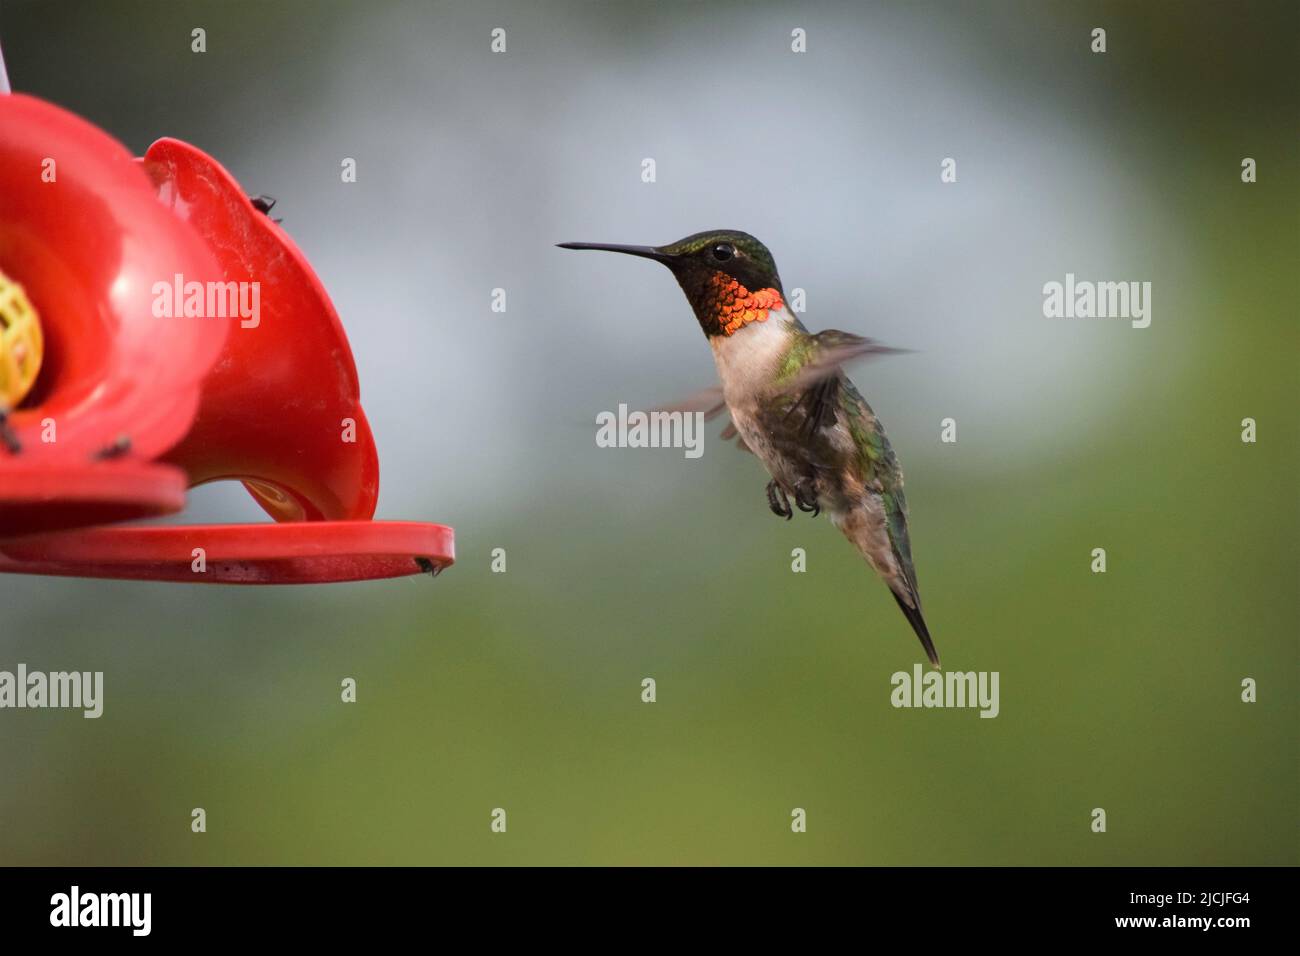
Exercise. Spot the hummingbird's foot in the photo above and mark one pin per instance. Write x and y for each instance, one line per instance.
(777, 501)
(805, 496)
(7, 436)
(428, 567)
(120, 446)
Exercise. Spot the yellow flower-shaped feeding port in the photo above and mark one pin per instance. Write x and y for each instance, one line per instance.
(21, 345)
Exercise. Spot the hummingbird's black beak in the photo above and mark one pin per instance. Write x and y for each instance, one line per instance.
(645, 252)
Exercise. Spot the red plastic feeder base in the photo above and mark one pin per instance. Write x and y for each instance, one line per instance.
(47, 497)
(309, 552)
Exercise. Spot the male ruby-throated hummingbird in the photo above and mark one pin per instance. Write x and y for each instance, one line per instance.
(791, 403)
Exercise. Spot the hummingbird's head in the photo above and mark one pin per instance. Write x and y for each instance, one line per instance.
(729, 277)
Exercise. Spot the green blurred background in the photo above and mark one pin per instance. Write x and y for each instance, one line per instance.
(522, 690)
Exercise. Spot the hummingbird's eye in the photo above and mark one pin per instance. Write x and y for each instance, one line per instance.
(723, 251)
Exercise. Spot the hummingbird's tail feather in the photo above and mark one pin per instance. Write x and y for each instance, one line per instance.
(914, 617)
(878, 529)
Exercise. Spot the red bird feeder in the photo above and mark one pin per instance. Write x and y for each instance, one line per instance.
(181, 337)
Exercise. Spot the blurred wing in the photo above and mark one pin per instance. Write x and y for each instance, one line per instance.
(706, 400)
(819, 377)
(829, 351)
(712, 404)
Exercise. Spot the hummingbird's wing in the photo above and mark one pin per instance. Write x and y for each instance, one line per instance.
(710, 402)
(824, 354)
(818, 365)
(879, 529)
(817, 376)
(706, 400)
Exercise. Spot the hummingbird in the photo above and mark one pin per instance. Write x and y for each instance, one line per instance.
(791, 403)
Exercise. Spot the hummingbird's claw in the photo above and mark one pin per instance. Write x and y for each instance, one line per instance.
(805, 496)
(428, 567)
(777, 501)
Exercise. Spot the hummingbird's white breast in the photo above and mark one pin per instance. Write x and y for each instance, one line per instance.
(748, 361)
(749, 358)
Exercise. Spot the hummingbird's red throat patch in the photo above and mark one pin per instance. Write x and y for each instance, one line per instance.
(733, 306)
